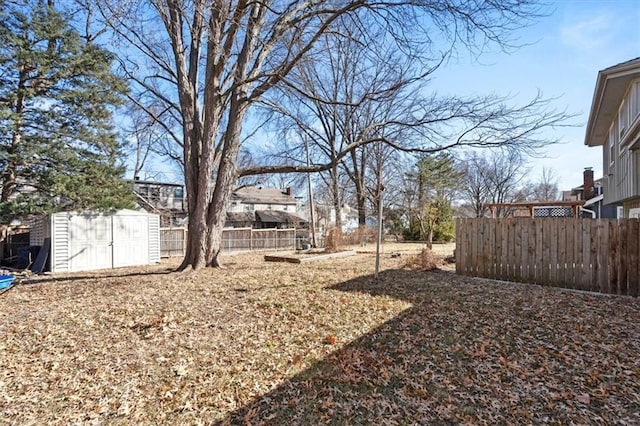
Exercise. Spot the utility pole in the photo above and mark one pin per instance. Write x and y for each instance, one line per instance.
(312, 215)
(379, 190)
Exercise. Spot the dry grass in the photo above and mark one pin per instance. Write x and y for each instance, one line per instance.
(323, 342)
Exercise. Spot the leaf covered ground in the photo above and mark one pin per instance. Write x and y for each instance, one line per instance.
(273, 343)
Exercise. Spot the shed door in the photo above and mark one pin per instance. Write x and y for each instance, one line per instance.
(130, 240)
(90, 242)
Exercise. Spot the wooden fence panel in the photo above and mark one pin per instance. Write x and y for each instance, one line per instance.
(172, 240)
(622, 247)
(517, 252)
(593, 255)
(501, 250)
(613, 263)
(511, 242)
(585, 281)
(460, 236)
(603, 241)
(634, 261)
(553, 250)
(538, 259)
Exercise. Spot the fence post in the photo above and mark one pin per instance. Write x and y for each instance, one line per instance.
(184, 241)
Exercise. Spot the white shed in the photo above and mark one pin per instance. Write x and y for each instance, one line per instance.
(86, 241)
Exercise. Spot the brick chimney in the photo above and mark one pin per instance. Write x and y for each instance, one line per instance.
(589, 190)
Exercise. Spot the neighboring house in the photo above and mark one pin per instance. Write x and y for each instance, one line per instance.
(163, 198)
(250, 206)
(614, 124)
(327, 218)
(592, 192)
(260, 207)
(255, 198)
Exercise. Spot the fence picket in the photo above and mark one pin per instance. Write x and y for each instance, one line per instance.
(553, 250)
(635, 271)
(632, 263)
(579, 255)
(603, 240)
(622, 258)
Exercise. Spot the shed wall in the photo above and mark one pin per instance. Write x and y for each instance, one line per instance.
(82, 242)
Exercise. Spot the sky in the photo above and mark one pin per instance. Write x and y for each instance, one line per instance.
(560, 56)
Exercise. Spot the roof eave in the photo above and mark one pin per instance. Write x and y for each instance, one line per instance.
(611, 86)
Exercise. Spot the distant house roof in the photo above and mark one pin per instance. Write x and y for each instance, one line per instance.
(261, 195)
(276, 216)
(594, 200)
(150, 182)
(611, 86)
(240, 217)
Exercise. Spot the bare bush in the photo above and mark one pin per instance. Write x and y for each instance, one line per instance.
(426, 260)
(333, 241)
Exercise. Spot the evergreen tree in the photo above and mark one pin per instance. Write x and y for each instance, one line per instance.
(58, 149)
(436, 180)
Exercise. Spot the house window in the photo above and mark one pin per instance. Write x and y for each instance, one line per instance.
(144, 190)
(154, 193)
(285, 208)
(622, 120)
(612, 145)
(178, 193)
(634, 101)
(249, 207)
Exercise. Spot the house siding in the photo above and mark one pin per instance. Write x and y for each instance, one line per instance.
(622, 172)
(621, 182)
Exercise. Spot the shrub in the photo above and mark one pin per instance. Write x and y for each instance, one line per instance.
(334, 241)
(426, 260)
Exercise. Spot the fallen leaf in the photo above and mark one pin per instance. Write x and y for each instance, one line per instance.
(584, 398)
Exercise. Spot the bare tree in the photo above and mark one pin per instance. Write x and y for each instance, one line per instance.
(343, 96)
(546, 188)
(493, 178)
(209, 61)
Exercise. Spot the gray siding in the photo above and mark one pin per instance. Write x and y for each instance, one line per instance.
(621, 177)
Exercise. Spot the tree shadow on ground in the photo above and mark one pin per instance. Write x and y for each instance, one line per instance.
(471, 352)
(98, 275)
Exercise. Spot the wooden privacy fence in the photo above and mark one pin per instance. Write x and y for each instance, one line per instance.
(172, 240)
(587, 254)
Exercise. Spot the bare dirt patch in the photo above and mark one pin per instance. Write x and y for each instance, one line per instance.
(444, 250)
(263, 342)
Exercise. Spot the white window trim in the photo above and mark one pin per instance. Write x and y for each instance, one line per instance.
(612, 145)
